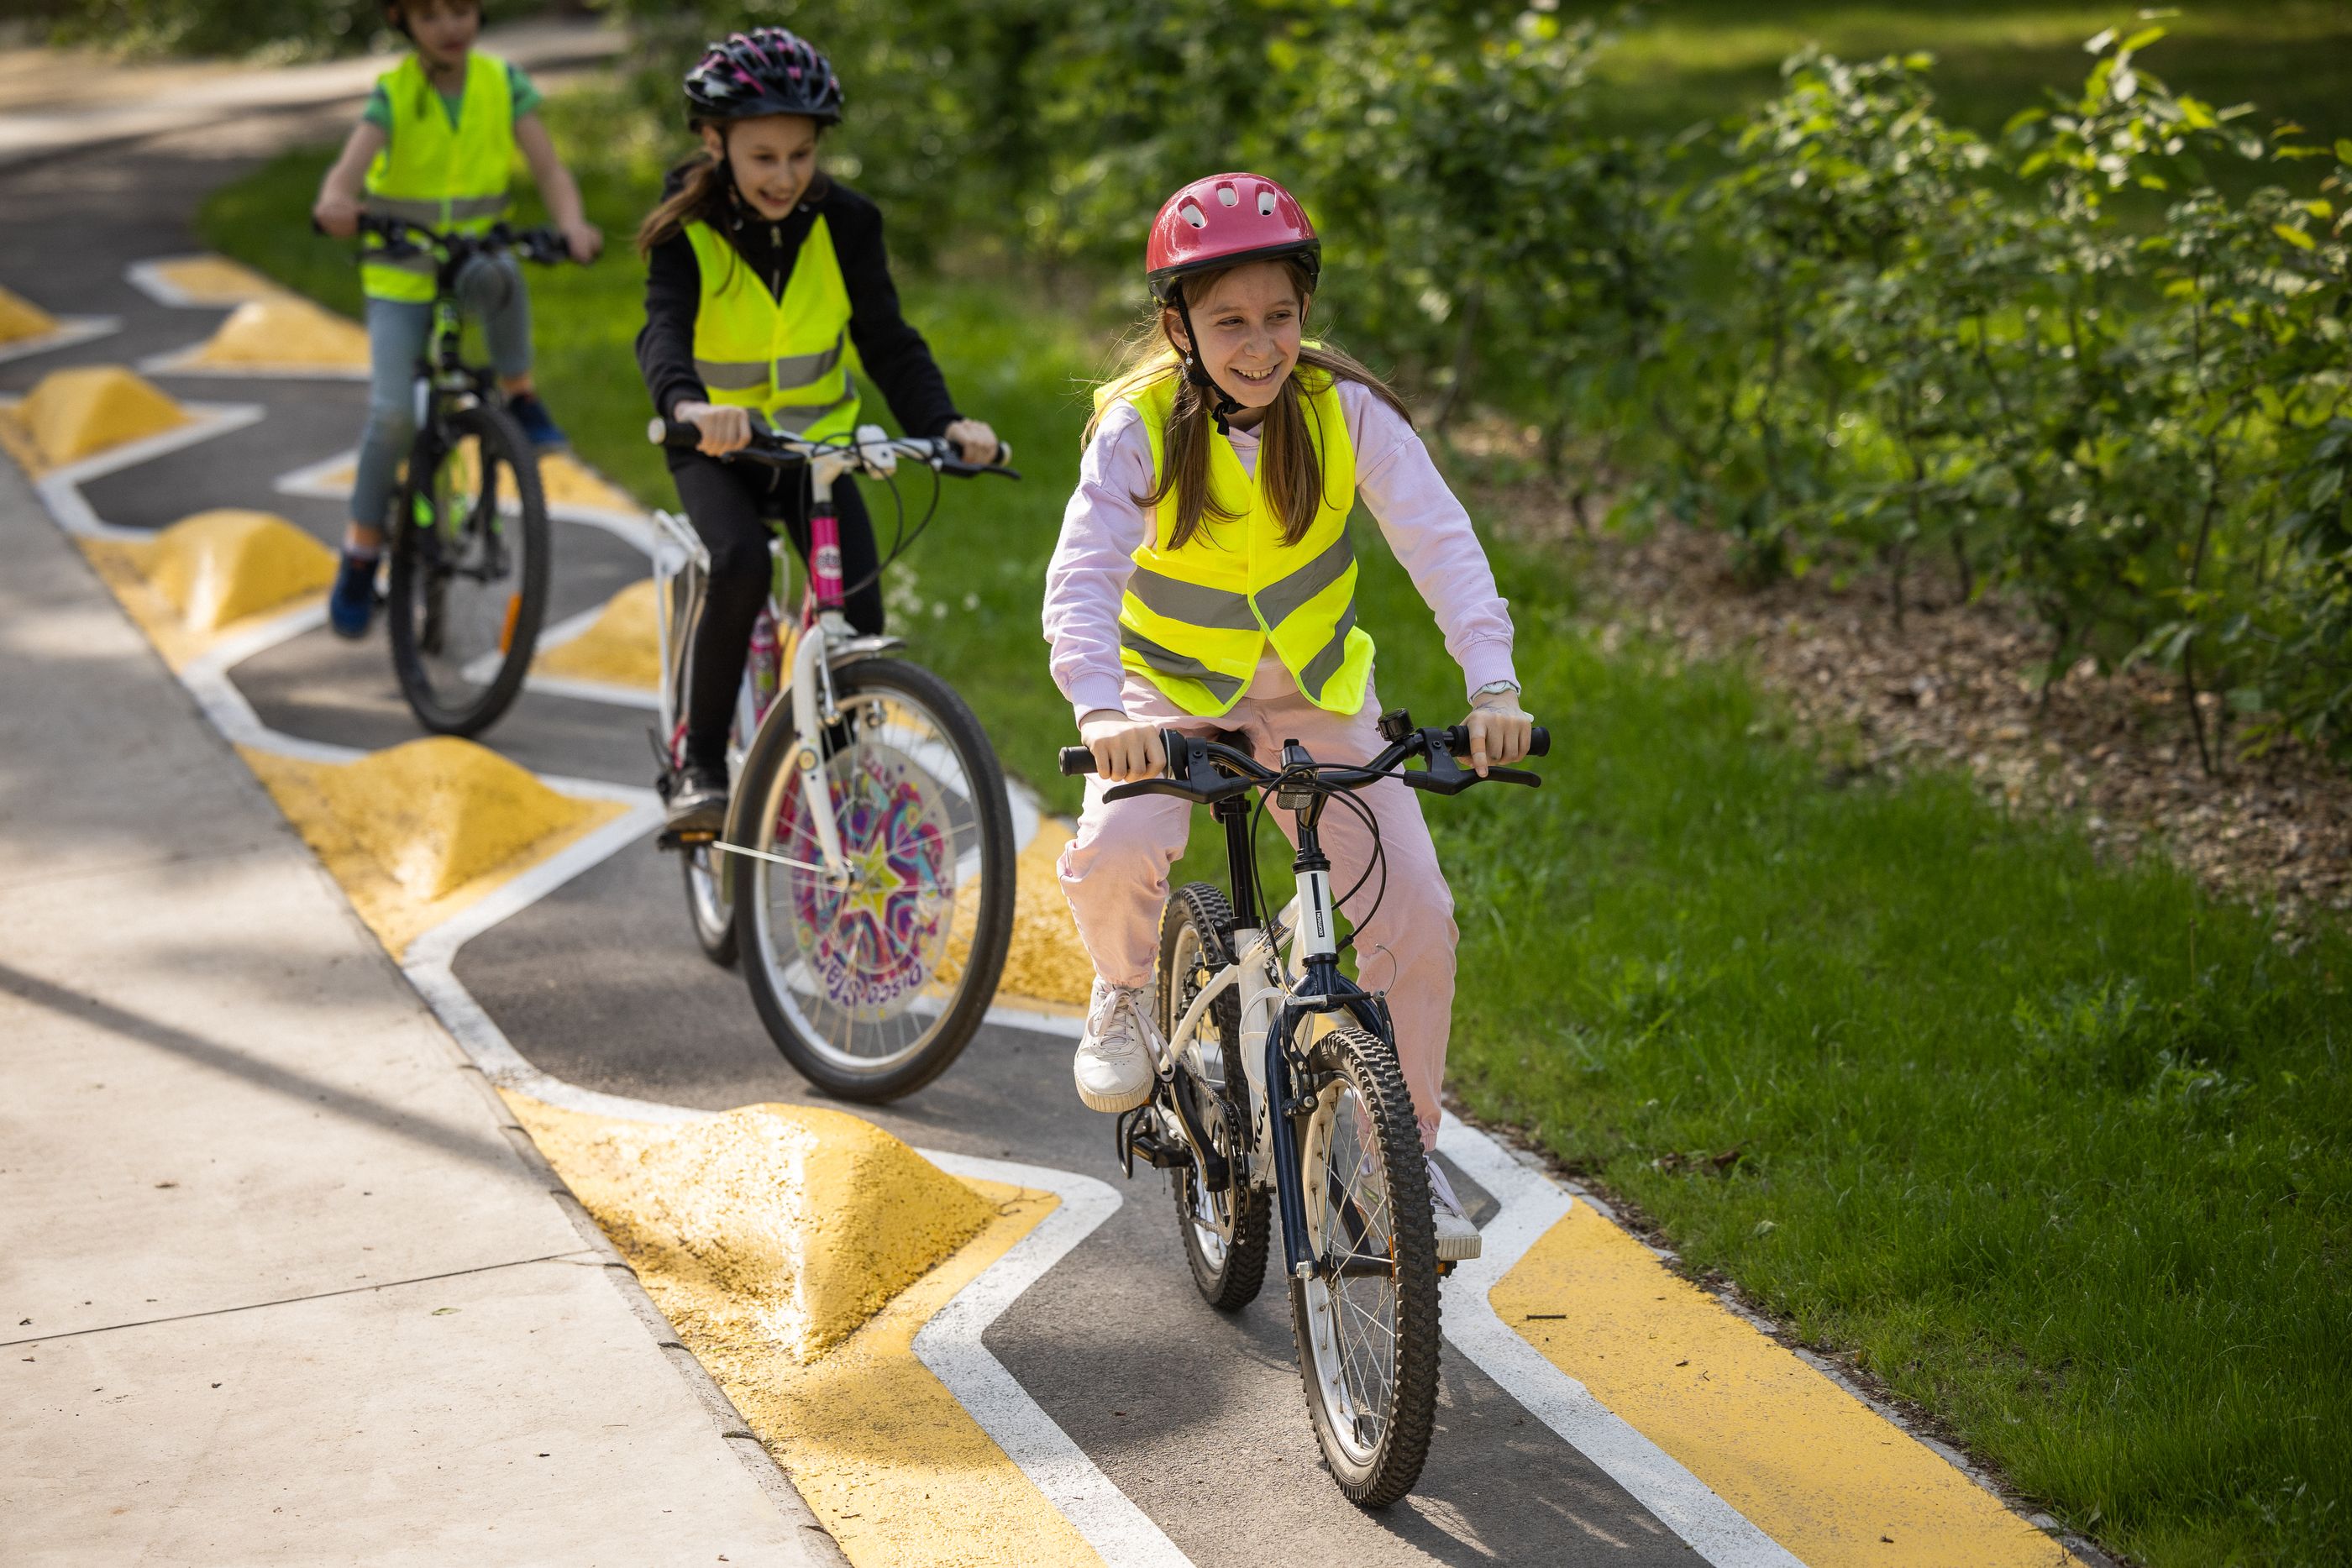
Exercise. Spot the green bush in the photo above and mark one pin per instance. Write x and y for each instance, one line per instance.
(2061, 362)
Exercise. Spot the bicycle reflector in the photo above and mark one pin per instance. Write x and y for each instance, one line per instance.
(1296, 793)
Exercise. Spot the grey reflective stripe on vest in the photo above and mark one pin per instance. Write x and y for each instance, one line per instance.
(415, 261)
(792, 420)
(788, 374)
(1190, 602)
(1278, 601)
(464, 209)
(1169, 661)
(1326, 664)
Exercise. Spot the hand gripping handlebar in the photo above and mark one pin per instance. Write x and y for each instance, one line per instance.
(769, 446)
(1208, 770)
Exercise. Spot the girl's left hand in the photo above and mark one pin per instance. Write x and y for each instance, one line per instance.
(974, 439)
(1500, 731)
(584, 240)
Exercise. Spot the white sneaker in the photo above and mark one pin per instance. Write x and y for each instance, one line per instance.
(1115, 1065)
(1457, 1238)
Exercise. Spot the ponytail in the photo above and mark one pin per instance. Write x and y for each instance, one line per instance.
(701, 193)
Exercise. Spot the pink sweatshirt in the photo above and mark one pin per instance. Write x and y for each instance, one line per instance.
(1419, 516)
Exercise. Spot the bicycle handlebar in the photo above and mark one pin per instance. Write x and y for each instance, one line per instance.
(935, 451)
(1207, 770)
(401, 238)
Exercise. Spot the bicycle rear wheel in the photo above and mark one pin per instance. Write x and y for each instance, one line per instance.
(871, 989)
(469, 570)
(1366, 1325)
(1225, 1233)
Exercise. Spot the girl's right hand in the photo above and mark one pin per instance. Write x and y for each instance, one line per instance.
(1125, 749)
(337, 214)
(724, 429)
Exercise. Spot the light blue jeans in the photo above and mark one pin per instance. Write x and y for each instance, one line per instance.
(490, 290)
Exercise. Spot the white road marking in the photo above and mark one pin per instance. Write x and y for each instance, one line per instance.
(1532, 1204)
(60, 488)
(186, 361)
(69, 330)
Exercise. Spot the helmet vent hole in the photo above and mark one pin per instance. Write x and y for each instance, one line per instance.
(1228, 197)
(1265, 203)
(1192, 215)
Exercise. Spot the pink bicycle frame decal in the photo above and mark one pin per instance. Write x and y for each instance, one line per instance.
(824, 565)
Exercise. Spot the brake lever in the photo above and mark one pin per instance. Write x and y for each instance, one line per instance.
(1199, 778)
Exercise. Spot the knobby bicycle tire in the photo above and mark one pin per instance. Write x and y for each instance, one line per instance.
(1369, 1064)
(499, 447)
(992, 930)
(1231, 1281)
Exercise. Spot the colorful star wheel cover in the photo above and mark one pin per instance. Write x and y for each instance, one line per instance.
(873, 946)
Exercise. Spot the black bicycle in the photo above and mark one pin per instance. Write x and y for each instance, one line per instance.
(467, 522)
(1279, 1089)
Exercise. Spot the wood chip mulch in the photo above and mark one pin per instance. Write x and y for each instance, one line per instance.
(1960, 685)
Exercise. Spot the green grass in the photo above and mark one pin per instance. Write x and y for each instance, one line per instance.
(2056, 1149)
(1690, 60)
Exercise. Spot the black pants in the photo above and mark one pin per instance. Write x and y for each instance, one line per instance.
(729, 505)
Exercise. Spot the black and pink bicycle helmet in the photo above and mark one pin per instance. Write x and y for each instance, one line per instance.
(768, 70)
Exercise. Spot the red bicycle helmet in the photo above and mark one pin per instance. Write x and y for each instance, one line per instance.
(1224, 221)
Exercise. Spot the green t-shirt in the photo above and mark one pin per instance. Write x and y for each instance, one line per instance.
(526, 99)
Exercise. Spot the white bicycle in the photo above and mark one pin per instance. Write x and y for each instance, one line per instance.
(1279, 1092)
(865, 875)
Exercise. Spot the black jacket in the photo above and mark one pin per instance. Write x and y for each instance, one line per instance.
(894, 354)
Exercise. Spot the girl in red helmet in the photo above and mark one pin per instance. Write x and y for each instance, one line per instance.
(1205, 579)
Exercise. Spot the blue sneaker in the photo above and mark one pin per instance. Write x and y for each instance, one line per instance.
(538, 427)
(352, 605)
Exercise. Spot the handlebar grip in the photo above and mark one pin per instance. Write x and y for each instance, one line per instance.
(1078, 760)
(1457, 741)
(679, 434)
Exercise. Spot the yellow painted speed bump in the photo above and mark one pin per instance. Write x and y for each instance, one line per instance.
(1046, 962)
(73, 413)
(1813, 1467)
(620, 648)
(282, 332)
(419, 832)
(895, 1467)
(220, 566)
(202, 280)
(572, 483)
(21, 318)
(785, 1225)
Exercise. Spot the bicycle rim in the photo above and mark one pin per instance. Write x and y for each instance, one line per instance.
(871, 978)
(1354, 1317)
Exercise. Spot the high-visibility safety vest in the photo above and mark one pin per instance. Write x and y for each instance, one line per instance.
(1196, 621)
(452, 178)
(782, 358)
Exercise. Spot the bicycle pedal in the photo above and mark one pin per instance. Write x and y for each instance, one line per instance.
(690, 839)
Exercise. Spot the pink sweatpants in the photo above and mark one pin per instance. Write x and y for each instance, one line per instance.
(1114, 871)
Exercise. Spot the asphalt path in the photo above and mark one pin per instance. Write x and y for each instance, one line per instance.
(1197, 1417)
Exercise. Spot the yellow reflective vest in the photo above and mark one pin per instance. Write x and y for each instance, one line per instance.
(782, 357)
(1196, 621)
(450, 177)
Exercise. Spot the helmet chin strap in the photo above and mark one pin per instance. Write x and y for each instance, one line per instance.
(1225, 405)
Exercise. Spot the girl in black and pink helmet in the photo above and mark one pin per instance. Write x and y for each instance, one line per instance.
(1205, 579)
(762, 273)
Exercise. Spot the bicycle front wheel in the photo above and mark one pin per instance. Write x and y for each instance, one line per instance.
(871, 985)
(1366, 1325)
(469, 568)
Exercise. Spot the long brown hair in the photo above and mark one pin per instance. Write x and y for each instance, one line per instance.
(1286, 457)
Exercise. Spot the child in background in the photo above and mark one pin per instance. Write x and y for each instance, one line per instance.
(434, 146)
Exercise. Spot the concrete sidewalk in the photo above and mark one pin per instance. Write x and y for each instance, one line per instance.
(278, 1280)
(124, 103)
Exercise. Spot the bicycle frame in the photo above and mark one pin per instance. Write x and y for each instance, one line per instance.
(1277, 996)
(823, 639)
